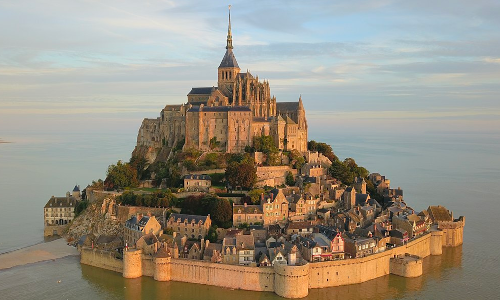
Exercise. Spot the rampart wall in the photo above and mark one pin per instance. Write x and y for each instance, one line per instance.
(286, 281)
(101, 259)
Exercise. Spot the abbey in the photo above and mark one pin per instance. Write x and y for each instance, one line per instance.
(226, 117)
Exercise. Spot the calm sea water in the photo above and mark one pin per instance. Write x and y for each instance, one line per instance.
(458, 170)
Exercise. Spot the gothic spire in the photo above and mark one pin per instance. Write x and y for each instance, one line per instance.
(229, 35)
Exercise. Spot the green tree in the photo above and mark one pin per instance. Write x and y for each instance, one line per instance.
(322, 148)
(289, 179)
(241, 174)
(121, 175)
(297, 159)
(80, 207)
(255, 195)
(140, 164)
(212, 235)
(221, 212)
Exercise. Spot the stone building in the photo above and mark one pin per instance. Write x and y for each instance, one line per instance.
(138, 226)
(249, 214)
(274, 207)
(227, 116)
(197, 183)
(59, 210)
(192, 226)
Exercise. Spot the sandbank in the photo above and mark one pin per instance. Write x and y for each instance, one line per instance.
(36, 253)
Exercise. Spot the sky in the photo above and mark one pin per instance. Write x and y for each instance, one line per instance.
(387, 65)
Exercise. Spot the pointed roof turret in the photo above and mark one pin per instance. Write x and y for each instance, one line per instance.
(229, 61)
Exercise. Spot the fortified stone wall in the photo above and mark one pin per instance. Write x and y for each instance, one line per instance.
(50, 230)
(273, 175)
(101, 259)
(286, 281)
(406, 265)
(228, 276)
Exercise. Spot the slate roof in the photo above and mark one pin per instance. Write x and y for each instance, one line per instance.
(189, 218)
(287, 106)
(76, 189)
(229, 61)
(249, 209)
(202, 90)
(198, 177)
(61, 202)
(219, 108)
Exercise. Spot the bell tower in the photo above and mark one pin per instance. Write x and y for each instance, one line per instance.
(228, 69)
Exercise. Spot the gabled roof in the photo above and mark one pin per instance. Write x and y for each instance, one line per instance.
(202, 90)
(229, 61)
(287, 106)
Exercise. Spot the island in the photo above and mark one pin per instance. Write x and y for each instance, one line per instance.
(227, 190)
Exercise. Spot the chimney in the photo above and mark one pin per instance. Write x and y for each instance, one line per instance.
(139, 217)
(245, 204)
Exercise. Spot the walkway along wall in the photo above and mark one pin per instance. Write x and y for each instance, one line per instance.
(286, 281)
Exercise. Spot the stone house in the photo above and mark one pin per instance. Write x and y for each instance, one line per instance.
(249, 214)
(309, 249)
(148, 244)
(360, 247)
(193, 226)
(197, 183)
(300, 228)
(313, 170)
(274, 207)
(245, 248)
(213, 252)
(264, 261)
(412, 224)
(137, 226)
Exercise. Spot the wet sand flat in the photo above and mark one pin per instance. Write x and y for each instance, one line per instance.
(36, 253)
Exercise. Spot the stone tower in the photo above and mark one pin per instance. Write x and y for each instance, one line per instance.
(228, 70)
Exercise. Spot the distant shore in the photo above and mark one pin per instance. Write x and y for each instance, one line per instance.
(37, 253)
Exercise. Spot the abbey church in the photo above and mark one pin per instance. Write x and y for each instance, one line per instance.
(226, 117)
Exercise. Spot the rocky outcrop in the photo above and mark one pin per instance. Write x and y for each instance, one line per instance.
(96, 220)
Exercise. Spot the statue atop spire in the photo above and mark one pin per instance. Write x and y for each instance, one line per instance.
(229, 35)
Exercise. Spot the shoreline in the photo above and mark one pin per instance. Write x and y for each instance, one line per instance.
(37, 253)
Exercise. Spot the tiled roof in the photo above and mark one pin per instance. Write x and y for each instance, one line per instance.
(245, 242)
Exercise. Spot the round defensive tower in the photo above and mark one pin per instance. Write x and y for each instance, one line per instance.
(162, 265)
(132, 263)
(291, 281)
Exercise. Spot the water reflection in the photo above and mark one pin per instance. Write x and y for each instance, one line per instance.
(435, 268)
